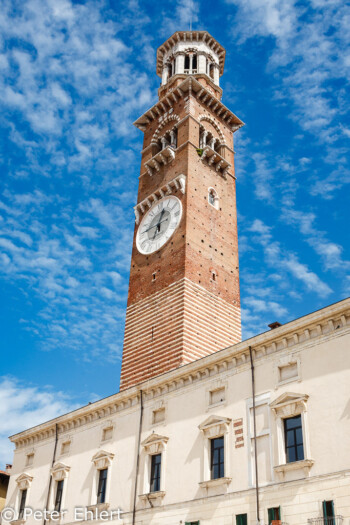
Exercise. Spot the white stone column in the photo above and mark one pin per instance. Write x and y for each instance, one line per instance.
(164, 75)
(180, 64)
(216, 75)
(202, 64)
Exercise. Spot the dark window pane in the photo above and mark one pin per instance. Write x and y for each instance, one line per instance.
(291, 455)
(187, 62)
(299, 436)
(102, 484)
(293, 435)
(155, 472)
(194, 62)
(217, 458)
(22, 503)
(290, 438)
(59, 492)
(300, 452)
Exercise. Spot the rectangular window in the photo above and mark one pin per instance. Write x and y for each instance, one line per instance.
(217, 468)
(328, 512)
(59, 492)
(293, 435)
(156, 462)
(241, 519)
(274, 514)
(102, 484)
(22, 503)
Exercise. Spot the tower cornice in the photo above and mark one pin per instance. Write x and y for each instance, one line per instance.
(189, 85)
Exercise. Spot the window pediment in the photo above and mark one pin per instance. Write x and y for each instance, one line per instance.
(155, 443)
(102, 459)
(24, 480)
(289, 404)
(59, 471)
(215, 426)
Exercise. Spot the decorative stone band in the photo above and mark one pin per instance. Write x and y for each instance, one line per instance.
(217, 161)
(163, 157)
(179, 183)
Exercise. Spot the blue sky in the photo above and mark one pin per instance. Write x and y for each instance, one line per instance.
(74, 76)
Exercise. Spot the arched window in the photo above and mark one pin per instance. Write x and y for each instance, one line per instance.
(168, 139)
(206, 138)
(213, 198)
(191, 62)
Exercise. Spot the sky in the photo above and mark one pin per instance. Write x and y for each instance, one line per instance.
(74, 77)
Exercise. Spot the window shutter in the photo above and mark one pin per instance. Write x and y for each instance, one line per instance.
(192, 522)
(279, 513)
(333, 509)
(271, 515)
(241, 519)
(324, 506)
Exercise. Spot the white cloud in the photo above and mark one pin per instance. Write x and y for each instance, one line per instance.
(284, 260)
(23, 406)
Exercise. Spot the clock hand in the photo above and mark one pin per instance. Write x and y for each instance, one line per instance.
(156, 225)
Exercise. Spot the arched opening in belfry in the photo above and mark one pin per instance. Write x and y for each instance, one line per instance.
(168, 139)
(206, 138)
(191, 64)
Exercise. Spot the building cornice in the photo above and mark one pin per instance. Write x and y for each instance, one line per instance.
(189, 86)
(300, 332)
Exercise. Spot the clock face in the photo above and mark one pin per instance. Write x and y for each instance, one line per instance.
(158, 225)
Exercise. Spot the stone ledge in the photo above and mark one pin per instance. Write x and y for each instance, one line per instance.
(215, 482)
(304, 464)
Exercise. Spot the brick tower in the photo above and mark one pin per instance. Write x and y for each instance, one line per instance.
(183, 300)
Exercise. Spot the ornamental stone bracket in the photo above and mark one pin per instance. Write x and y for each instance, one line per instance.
(163, 157)
(179, 183)
(102, 459)
(153, 498)
(215, 482)
(59, 471)
(217, 161)
(155, 443)
(215, 426)
(289, 404)
(24, 481)
(304, 464)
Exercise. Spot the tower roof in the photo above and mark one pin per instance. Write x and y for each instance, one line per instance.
(190, 37)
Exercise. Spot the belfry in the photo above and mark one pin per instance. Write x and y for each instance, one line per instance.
(183, 301)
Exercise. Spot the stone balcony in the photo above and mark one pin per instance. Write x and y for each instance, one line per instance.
(215, 160)
(163, 157)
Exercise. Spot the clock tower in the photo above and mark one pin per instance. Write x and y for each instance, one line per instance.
(183, 301)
